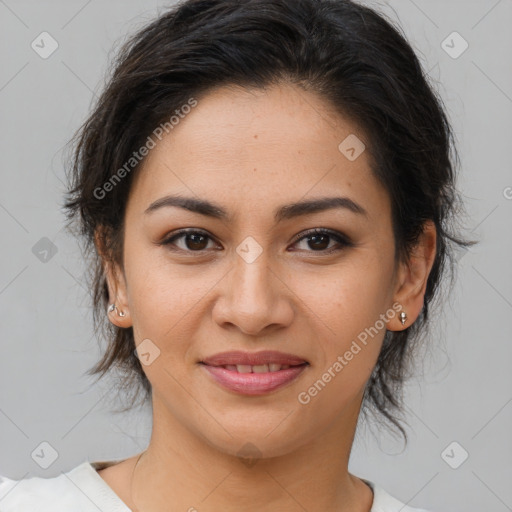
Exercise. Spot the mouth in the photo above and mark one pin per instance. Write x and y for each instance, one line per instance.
(254, 373)
(257, 368)
(254, 359)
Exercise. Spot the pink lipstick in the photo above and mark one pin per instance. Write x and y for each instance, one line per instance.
(254, 373)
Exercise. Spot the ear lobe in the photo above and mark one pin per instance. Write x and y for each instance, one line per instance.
(116, 284)
(118, 312)
(413, 276)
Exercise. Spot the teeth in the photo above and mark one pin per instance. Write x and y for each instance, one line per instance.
(259, 368)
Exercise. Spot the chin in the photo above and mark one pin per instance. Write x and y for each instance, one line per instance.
(250, 440)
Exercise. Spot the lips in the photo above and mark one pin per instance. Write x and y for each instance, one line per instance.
(255, 373)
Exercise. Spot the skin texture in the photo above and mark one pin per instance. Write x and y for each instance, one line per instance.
(252, 152)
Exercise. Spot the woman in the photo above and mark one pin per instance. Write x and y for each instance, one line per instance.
(267, 190)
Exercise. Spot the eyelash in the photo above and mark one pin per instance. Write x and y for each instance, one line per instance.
(342, 240)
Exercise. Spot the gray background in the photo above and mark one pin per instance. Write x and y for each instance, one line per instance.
(464, 393)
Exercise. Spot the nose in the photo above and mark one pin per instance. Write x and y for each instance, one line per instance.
(254, 298)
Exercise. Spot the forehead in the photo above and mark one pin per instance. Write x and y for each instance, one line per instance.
(250, 149)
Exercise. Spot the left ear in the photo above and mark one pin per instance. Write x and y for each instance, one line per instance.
(413, 276)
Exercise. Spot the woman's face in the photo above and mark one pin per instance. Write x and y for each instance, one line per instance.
(253, 279)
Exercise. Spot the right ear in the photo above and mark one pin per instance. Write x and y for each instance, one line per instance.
(120, 316)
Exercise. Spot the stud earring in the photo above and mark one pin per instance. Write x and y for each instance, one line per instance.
(113, 307)
(403, 317)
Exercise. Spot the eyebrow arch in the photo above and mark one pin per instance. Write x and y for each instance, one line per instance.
(285, 212)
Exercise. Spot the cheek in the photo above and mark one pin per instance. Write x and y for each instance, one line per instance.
(352, 332)
(167, 303)
(347, 307)
(157, 294)
(349, 297)
(161, 300)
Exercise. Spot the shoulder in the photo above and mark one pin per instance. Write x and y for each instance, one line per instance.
(81, 489)
(385, 502)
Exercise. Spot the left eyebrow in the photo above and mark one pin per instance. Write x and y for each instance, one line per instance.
(307, 207)
(285, 212)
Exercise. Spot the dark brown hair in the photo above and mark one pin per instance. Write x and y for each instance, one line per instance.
(353, 57)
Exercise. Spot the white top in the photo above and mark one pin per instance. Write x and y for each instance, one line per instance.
(82, 489)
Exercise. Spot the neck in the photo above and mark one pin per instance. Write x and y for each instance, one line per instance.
(182, 471)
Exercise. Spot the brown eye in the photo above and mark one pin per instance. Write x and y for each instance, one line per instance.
(319, 240)
(193, 241)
